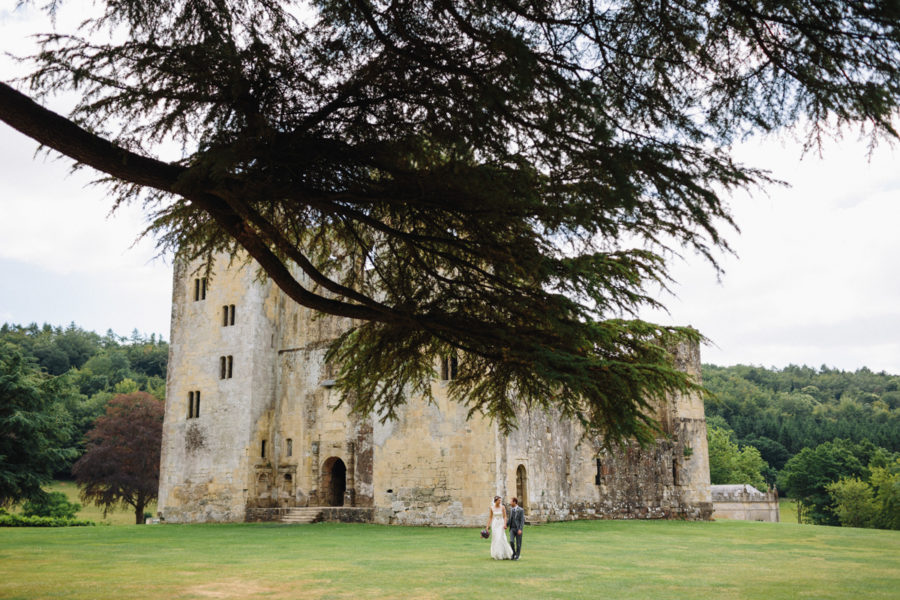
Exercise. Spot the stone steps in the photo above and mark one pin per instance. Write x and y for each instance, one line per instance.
(302, 515)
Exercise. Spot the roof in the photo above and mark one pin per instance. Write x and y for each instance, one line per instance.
(736, 489)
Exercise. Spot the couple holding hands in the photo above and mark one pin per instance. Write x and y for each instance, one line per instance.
(498, 522)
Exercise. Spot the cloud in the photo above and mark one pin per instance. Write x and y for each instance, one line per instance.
(815, 276)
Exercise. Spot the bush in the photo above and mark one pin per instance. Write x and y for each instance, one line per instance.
(22, 521)
(53, 504)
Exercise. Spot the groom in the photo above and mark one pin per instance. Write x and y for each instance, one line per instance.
(515, 523)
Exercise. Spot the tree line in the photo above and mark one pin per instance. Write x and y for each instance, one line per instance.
(68, 397)
(828, 438)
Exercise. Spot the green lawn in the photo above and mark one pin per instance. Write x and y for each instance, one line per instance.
(588, 559)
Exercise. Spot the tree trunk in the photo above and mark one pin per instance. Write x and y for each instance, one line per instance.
(139, 512)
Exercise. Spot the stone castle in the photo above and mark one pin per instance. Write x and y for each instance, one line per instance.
(253, 429)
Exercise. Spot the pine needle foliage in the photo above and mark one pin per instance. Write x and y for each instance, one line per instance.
(502, 179)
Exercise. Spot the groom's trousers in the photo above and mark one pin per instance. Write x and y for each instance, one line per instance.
(515, 540)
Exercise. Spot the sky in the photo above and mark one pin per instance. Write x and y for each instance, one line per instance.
(813, 280)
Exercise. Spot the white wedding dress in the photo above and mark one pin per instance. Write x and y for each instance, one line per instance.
(500, 548)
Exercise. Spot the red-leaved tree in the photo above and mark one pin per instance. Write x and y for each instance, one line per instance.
(121, 464)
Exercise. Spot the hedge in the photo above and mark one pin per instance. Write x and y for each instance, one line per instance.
(20, 521)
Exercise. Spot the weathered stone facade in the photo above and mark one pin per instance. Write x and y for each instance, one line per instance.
(268, 432)
(745, 503)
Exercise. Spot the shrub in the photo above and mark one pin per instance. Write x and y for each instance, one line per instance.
(53, 504)
(22, 521)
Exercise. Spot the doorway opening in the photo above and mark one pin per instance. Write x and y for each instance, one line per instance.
(334, 481)
(522, 487)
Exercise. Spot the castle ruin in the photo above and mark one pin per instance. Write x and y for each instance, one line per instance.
(253, 429)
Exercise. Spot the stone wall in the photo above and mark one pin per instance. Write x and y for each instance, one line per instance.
(744, 503)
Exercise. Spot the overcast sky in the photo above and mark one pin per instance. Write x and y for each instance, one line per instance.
(814, 282)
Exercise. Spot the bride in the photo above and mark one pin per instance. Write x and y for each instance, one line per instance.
(500, 548)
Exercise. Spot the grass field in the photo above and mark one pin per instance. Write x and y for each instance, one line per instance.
(588, 559)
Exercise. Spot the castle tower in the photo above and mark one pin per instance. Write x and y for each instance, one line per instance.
(220, 382)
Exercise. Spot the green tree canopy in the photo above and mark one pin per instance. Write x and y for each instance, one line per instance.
(503, 179)
(853, 502)
(99, 368)
(885, 482)
(730, 463)
(807, 475)
(33, 429)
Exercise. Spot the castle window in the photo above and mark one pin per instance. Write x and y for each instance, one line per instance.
(227, 315)
(226, 367)
(200, 288)
(289, 447)
(262, 449)
(598, 479)
(449, 365)
(193, 404)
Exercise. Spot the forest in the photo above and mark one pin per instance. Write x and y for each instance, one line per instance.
(75, 373)
(828, 438)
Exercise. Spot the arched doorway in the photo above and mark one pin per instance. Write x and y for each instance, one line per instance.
(522, 487)
(334, 481)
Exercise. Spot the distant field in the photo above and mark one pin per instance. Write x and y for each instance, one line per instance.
(587, 559)
(787, 510)
(93, 513)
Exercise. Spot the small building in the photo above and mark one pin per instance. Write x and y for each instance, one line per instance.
(745, 503)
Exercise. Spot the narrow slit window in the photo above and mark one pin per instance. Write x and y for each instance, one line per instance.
(262, 449)
(196, 289)
(231, 314)
(223, 367)
(598, 479)
(449, 367)
(203, 288)
(230, 366)
(225, 316)
(194, 404)
(289, 447)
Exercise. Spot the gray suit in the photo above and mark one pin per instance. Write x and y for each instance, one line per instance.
(516, 524)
